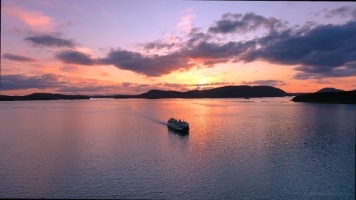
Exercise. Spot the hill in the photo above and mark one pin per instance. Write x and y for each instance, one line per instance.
(330, 89)
(347, 97)
(221, 92)
(42, 96)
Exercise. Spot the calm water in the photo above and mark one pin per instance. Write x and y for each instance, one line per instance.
(269, 148)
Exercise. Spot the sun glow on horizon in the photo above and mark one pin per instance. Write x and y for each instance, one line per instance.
(184, 47)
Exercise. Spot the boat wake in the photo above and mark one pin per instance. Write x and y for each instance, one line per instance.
(155, 120)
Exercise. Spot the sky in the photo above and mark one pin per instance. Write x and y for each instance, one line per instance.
(132, 46)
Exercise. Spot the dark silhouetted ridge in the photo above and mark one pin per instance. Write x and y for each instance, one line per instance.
(222, 92)
(42, 96)
(348, 97)
(330, 89)
(156, 94)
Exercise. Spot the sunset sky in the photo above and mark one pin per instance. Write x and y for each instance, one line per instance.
(132, 46)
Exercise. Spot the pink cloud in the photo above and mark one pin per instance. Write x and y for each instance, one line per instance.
(33, 18)
(186, 23)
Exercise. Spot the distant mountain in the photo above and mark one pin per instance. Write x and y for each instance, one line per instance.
(42, 96)
(221, 92)
(347, 97)
(330, 89)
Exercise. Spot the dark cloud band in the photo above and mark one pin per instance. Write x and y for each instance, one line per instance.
(22, 82)
(264, 82)
(343, 11)
(319, 50)
(14, 57)
(75, 57)
(50, 41)
(238, 23)
(322, 50)
(154, 65)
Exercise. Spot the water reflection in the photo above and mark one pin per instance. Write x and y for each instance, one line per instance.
(177, 138)
(123, 149)
(181, 134)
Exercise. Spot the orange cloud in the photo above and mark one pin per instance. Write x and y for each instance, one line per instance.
(33, 18)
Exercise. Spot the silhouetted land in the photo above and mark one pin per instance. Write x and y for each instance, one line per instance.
(42, 96)
(330, 89)
(337, 96)
(347, 97)
(221, 92)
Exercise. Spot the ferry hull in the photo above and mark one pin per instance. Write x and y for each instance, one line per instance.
(180, 129)
(178, 125)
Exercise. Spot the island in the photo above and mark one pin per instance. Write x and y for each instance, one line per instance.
(337, 97)
(42, 96)
(329, 89)
(242, 91)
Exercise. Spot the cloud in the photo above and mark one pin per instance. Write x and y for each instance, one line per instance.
(33, 18)
(336, 72)
(54, 81)
(264, 82)
(75, 57)
(210, 51)
(17, 58)
(22, 82)
(344, 11)
(69, 68)
(196, 36)
(321, 81)
(186, 22)
(169, 43)
(49, 41)
(88, 89)
(90, 86)
(179, 85)
(158, 45)
(126, 84)
(324, 50)
(137, 88)
(238, 23)
(314, 50)
(154, 65)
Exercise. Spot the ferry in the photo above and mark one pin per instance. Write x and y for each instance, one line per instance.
(178, 125)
